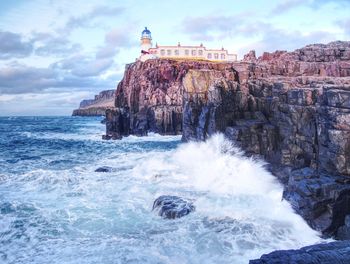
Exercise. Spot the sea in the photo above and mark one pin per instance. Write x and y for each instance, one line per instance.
(54, 207)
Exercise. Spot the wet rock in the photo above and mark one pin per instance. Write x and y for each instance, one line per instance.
(172, 207)
(330, 253)
(104, 169)
(343, 232)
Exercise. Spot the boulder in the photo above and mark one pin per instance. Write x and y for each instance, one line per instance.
(104, 169)
(171, 207)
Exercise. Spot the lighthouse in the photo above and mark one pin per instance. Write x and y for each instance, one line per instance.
(181, 52)
(146, 41)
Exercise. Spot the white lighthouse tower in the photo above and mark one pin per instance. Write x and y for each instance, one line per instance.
(146, 40)
(146, 45)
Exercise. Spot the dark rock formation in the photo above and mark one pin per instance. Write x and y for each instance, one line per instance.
(344, 231)
(331, 253)
(97, 106)
(172, 207)
(104, 169)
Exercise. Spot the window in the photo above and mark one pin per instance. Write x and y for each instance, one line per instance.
(162, 52)
(200, 52)
(216, 56)
(194, 53)
(209, 56)
(168, 52)
(176, 52)
(222, 56)
(187, 52)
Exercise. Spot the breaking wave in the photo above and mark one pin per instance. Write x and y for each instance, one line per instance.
(55, 208)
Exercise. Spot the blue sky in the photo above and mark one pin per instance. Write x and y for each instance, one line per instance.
(54, 53)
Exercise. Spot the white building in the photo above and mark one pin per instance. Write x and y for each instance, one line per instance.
(181, 52)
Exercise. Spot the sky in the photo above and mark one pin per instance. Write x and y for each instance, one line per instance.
(55, 53)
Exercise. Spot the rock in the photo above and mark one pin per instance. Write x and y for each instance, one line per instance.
(104, 169)
(290, 108)
(330, 253)
(150, 97)
(343, 232)
(250, 57)
(97, 106)
(90, 111)
(172, 207)
(282, 108)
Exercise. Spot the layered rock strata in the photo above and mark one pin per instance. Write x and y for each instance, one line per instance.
(150, 97)
(97, 106)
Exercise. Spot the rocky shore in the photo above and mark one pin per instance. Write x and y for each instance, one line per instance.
(290, 108)
(97, 106)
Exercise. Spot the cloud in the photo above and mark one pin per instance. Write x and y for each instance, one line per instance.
(344, 25)
(18, 78)
(278, 39)
(211, 28)
(44, 103)
(288, 5)
(83, 66)
(12, 45)
(86, 20)
(115, 39)
(318, 3)
(47, 44)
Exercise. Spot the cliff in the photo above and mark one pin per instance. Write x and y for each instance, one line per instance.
(150, 97)
(290, 108)
(97, 106)
(293, 110)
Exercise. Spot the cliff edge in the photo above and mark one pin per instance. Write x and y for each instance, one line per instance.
(97, 106)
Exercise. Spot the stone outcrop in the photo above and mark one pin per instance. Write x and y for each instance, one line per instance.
(290, 108)
(150, 97)
(171, 207)
(97, 106)
(331, 253)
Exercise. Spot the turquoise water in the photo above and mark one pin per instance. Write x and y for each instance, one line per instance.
(54, 207)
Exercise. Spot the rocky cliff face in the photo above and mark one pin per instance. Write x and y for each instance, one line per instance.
(293, 110)
(290, 108)
(150, 97)
(97, 106)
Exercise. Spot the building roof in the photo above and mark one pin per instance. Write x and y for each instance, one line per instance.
(146, 31)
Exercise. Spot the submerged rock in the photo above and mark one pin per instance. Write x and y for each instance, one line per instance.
(172, 207)
(330, 253)
(104, 169)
